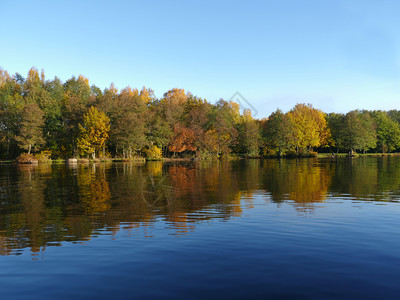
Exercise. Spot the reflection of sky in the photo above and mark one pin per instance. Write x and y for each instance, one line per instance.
(338, 55)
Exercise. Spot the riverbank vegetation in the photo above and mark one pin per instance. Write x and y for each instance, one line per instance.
(49, 118)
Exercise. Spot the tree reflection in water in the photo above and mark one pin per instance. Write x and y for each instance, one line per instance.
(47, 205)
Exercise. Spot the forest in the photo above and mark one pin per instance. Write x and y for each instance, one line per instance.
(58, 120)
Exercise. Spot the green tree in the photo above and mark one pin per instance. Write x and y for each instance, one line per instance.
(54, 130)
(249, 134)
(278, 132)
(359, 132)
(387, 131)
(107, 101)
(335, 124)
(93, 133)
(30, 135)
(11, 105)
(129, 117)
(75, 103)
(159, 130)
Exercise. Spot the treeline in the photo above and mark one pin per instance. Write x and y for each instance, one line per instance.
(74, 119)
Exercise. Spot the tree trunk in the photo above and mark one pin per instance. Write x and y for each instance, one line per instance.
(29, 149)
(8, 148)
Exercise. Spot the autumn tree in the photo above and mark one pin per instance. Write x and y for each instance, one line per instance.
(33, 88)
(184, 139)
(309, 127)
(211, 145)
(196, 118)
(172, 105)
(168, 111)
(223, 119)
(93, 133)
(30, 135)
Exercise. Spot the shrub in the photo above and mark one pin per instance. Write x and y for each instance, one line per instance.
(25, 158)
(44, 156)
(153, 152)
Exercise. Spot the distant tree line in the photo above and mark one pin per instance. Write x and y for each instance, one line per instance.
(74, 119)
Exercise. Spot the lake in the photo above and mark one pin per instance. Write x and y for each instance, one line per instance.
(248, 229)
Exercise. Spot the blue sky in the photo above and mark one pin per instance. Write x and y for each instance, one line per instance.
(336, 55)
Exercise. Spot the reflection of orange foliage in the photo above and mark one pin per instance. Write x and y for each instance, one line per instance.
(180, 222)
(184, 139)
(182, 178)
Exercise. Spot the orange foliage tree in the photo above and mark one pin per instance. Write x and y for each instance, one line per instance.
(184, 139)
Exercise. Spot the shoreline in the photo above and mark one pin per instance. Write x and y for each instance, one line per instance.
(166, 160)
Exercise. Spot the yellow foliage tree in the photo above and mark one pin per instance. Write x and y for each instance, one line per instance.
(94, 132)
(310, 127)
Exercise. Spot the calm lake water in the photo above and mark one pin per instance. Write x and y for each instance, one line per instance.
(310, 228)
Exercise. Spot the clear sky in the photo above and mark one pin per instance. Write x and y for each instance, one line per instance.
(337, 55)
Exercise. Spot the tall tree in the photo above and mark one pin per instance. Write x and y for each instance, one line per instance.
(107, 101)
(249, 134)
(335, 124)
(129, 117)
(196, 118)
(224, 118)
(160, 131)
(54, 130)
(278, 132)
(93, 133)
(11, 105)
(359, 132)
(76, 99)
(30, 135)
